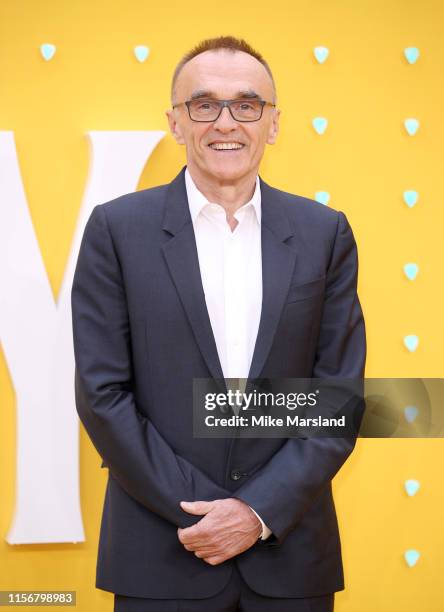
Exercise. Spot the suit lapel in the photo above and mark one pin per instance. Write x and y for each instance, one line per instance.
(183, 263)
(278, 261)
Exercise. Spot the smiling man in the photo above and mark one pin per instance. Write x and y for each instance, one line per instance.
(224, 113)
(215, 275)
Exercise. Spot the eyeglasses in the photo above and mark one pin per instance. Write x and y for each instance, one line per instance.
(206, 110)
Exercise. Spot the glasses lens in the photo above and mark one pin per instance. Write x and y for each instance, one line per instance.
(204, 110)
(208, 110)
(246, 110)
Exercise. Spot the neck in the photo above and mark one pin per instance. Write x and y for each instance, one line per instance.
(231, 194)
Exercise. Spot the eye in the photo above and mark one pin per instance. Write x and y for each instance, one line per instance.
(246, 107)
(204, 105)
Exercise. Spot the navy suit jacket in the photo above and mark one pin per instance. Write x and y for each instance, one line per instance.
(142, 333)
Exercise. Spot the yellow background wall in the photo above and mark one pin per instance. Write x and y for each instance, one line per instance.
(365, 160)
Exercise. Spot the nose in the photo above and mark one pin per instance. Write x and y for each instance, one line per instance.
(225, 122)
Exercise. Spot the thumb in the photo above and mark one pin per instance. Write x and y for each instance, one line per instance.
(197, 507)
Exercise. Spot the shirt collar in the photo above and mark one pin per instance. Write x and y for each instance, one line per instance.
(197, 200)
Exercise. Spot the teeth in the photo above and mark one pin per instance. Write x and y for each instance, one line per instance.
(226, 145)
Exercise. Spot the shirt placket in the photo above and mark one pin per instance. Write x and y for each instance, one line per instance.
(235, 331)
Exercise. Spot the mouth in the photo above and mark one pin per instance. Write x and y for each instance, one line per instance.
(226, 146)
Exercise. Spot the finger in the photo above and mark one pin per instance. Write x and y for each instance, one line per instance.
(202, 554)
(188, 534)
(197, 507)
(196, 535)
(207, 550)
(203, 539)
(203, 543)
(214, 560)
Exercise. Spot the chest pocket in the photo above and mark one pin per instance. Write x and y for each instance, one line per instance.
(305, 291)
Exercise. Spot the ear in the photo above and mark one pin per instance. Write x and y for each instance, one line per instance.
(174, 126)
(274, 127)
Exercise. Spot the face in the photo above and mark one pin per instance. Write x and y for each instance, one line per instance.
(223, 74)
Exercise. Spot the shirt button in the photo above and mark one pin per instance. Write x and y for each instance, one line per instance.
(235, 474)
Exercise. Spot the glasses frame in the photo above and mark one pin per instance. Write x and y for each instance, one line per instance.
(223, 104)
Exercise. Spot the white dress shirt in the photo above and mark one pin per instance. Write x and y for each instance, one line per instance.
(231, 271)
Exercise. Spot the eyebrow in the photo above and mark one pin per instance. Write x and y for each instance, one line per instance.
(243, 93)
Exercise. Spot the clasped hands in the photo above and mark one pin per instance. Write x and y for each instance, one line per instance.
(228, 528)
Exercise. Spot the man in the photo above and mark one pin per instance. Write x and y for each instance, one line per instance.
(215, 275)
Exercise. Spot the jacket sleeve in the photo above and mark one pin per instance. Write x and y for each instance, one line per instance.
(138, 457)
(286, 486)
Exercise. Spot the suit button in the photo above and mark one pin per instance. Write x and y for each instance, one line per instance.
(236, 474)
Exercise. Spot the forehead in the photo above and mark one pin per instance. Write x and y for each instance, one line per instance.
(224, 73)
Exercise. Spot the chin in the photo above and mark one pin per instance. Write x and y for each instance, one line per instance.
(226, 171)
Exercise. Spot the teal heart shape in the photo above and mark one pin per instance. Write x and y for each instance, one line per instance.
(410, 413)
(48, 51)
(411, 270)
(320, 124)
(411, 54)
(323, 197)
(321, 54)
(411, 125)
(410, 198)
(141, 52)
(411, 342)
(411, 487)
(411, 556)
